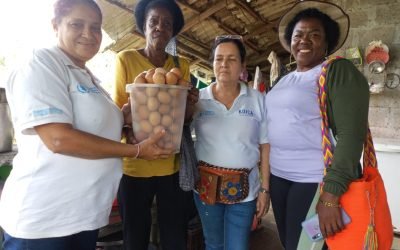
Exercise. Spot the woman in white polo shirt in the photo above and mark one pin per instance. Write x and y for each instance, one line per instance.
(67, 170)
(231, 134)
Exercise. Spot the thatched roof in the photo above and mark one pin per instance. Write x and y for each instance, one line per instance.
(204, 20)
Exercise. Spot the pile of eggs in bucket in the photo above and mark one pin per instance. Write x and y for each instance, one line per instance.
(158, 100)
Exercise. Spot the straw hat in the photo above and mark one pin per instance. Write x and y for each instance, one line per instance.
(332, 10)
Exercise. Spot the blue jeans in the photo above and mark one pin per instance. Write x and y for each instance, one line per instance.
(226, 226)
(85, 240)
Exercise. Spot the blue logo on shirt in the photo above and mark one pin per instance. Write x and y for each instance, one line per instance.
(46, 112)
(246, 112)
(84, 89)
(206, 113)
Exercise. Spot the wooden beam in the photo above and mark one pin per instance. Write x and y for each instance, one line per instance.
(219, 6)
(231, 31)
(201, 64)
(120, 5)
(203, 15)
(260, 29)
(243, 5)
(264, 55)
(196, 42)
(187, 6)
(191, 51)
(196, 61)
(136, 33)
(206, 66)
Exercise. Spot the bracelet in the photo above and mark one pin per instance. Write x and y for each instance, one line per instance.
(329, 204)
(138, 151)
(263, 190)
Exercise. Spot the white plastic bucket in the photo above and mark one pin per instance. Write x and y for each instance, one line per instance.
(156, 107)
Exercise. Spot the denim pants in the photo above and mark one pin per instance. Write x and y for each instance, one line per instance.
(226, 226)
(85, 240)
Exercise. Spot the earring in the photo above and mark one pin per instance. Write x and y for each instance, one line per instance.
(289, 66)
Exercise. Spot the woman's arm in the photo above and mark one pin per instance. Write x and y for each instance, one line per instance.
(62, 138)
(348, 117)
(348, 105)
(263, 196)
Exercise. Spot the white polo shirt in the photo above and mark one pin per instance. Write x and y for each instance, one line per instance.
(231, 138)
(48, 194)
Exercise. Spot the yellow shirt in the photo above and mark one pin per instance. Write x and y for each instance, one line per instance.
(129, 64)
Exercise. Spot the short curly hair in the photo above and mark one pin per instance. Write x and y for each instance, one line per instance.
(331, 27)
(143, 7)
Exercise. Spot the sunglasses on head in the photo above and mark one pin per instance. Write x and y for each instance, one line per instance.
(233, 37)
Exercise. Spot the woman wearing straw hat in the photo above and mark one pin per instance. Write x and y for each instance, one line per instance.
(310, 31)
(158, 21)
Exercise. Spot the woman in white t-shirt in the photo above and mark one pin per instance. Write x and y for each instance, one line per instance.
(67, 170)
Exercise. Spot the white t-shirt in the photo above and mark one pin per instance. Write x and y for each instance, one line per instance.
(231, 138)
(294, 127)
(48, 194)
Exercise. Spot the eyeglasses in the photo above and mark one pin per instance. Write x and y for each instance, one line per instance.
(232, 37)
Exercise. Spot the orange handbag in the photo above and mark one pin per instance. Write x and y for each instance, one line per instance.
(365, 200)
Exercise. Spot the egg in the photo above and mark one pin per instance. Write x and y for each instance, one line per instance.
(164, 109)
(179, 112)
(151, 91)
(143, 112)
(183, 82)
(143, 74)
(160, 70)
(177, 72)
(140, 136)
(158, 78)
(166, 120)
(139, 97)
(176, 103)
(154, 118)
(153, 104)
(139, 79)
(164, 97)
(149, 75)
(174, 92)
(171, 78)
(174, 128)
(145, 126)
